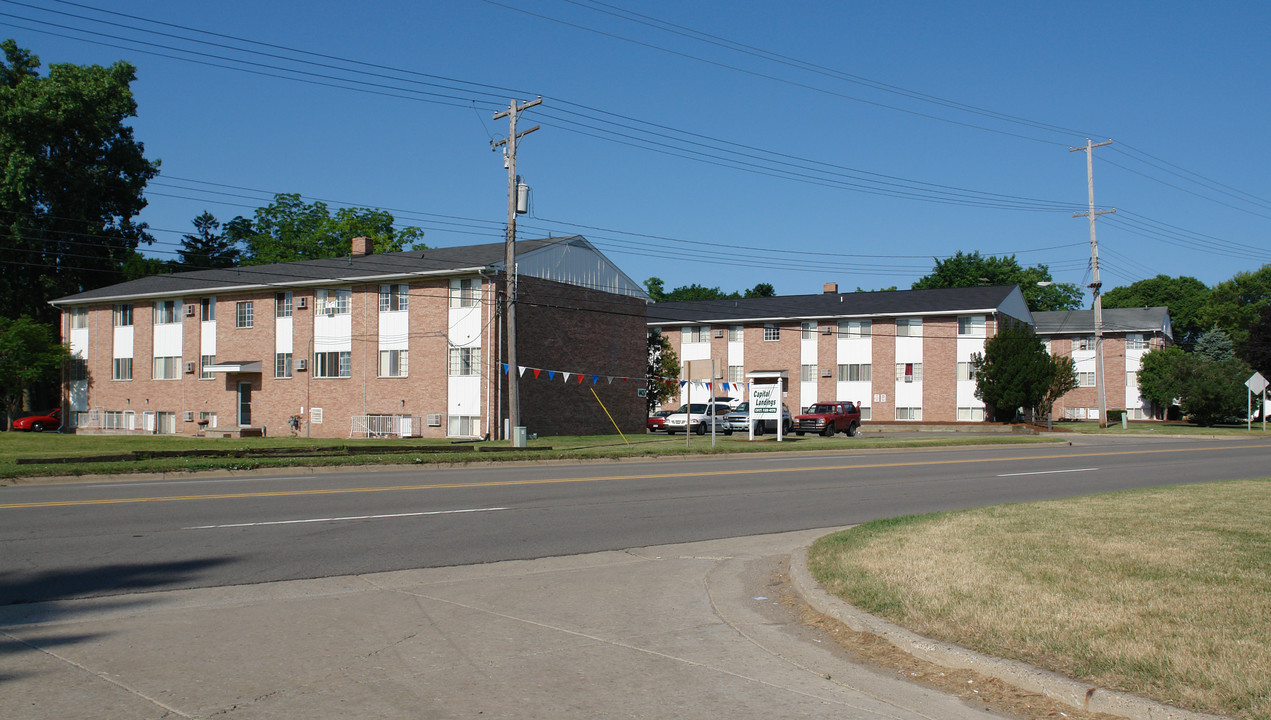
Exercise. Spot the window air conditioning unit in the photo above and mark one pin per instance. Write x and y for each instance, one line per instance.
(719, 333)
(827, 330)
(826, 372)
(189, 311)
(329, 311)
(302, 303)
(189, 368)
(302, 365)
(189, 416)
(434, 420)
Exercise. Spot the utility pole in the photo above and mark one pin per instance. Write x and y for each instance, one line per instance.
(509, 158)
(1095, 285)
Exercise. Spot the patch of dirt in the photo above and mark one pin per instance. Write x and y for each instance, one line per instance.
(976, 689)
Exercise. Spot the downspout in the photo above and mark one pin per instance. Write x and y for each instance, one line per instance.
(498, 399)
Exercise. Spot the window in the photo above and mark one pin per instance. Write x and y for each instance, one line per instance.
(282, 305)
(966, 371)
(1132, 378)
(394, 298)
(208, 419)
(122, 369)
(282, 365)
(1085, 379)
(76, 369)
(464, 425)
(79, 318)
(909, 327)
(116, 420)
(465, 361)
(207, 306)
(1086, 342)
(245, 315)
(736, 374)
(1134, 341)
(856, 328)
(973, 414)
(165, 312)
(1081, 413)
(165, 423)
(855, 373)
(908, 372)
(972, 325)
(379, 426)
(807, 373)
(394, 363)
(167, 368)
(908, 413)
(864, 412)
(123, 315)
(333, 364)
(204, 361)
(1136, 413)
(697, 334)
(771, 332)
(808, 330)
(465, 293)
(735, 333)
(333, 302)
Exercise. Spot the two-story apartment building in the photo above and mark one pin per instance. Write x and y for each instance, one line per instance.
(901, 355)
(407, 343)
(1128, 333)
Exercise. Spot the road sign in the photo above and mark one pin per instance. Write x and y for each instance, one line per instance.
(1257, 384)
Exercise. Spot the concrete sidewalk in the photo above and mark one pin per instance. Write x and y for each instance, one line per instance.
(678, 631)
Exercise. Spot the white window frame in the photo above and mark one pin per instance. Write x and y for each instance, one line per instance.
(908, 327)
(333, 364)
(856, 328)
(167, 367)
(336, 301)
(909, 372)
(807, 330)
(283, 304)
(244, 314)
(79, 319)
(121, 367)
(465, 292)
(771, 332)
(464, 361)
(166, 312)
(855, 372)
(971, 325)
(204, 361)
(394, 297)
(283, 365)
(807, 373)
(909, 413)
(736, 333)
(394, 363)
(966, 371)
(207, 309)
(123, 315)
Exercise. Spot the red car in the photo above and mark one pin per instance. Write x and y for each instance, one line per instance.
(657, 421)
(39, 423)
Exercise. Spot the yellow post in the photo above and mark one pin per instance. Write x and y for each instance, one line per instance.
(615, 425)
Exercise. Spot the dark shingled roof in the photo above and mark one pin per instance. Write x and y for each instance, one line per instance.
(893, 302)
(312, 272)
(1115, 320)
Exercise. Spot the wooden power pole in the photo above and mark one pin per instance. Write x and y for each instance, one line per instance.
(509, 155)
(1095, 284)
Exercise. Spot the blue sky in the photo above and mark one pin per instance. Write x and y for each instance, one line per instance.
(719, 143)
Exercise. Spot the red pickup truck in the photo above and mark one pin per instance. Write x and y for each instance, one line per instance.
(827, 418)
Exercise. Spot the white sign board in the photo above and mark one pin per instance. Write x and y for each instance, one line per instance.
(765, 401)
(1256, 384)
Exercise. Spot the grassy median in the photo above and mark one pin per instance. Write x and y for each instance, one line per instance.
(1164, 592)
(283, 452)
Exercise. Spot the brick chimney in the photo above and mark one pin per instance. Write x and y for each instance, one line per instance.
(362, 246)
(830, 288)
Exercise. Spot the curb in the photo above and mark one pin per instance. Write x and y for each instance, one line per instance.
(1026, 677)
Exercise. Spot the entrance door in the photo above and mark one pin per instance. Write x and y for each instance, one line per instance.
(244, 404)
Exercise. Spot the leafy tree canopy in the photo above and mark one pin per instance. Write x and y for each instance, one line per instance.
(1186, 298)
(1015, 371)
(29, 356)
(71, 179)
(663, 363)
(1214, 345)
(1161, 375)
(1234, 305)
(290, 229)
(1214, 391)
(1258, 346)
(657, 290)
(971, 270)
(207, 248)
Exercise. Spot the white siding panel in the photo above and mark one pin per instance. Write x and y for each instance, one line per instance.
(464, 396)
(465, 327)
(394, 331)
(123, 342)
(332, 333)
(167, 340)
(282, 335)
(207, 337)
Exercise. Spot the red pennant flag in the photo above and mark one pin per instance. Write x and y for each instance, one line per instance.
(536, 372)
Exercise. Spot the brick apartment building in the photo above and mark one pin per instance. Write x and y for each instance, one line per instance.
(901, 355)
(407, 343)
(1128, 333)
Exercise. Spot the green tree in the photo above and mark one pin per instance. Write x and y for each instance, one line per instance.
(29, 356)
(1063, 379)
(1161, 375)
(1257, 350)
(1214, 345)
(207, 248)
(762, 290)
(290, 229)
(71, 180)
(1234, 305)
(1214, 391)
(1186, 298)
(663, 364)
(971, 270)
(1015, 371)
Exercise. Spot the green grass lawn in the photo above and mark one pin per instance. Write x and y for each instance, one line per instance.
(316, 452)
(1163, 592)
(1163, 428)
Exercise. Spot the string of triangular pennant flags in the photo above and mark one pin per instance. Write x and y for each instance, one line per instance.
(582, 378)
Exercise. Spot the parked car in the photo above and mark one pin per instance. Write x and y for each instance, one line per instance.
(739, 420)
(828, 418)
(657, 421)
(697, 417)
(51, 420)
(731, 402)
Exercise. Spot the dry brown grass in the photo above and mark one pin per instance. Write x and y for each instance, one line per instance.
(1164, 592)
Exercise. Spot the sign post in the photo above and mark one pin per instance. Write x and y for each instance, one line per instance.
(1257, 386)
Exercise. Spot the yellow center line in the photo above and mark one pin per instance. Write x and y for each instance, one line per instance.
(603, 478)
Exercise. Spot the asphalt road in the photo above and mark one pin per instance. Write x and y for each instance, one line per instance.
(70, 541)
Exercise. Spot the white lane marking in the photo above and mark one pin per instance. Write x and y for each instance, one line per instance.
(1048, 472)
(343, 519)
